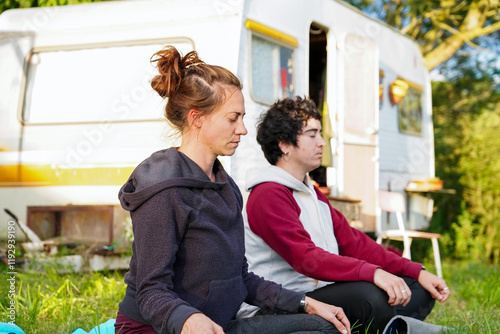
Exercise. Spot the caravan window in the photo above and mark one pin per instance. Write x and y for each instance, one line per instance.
(94, 84)
(272, 70)
(410, 111)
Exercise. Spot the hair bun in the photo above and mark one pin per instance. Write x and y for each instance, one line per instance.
(191, 59)
(171, 66)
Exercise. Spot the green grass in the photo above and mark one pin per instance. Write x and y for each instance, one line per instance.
(474, 306)
(50, 303)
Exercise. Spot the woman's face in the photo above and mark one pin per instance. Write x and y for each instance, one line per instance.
(222, 130)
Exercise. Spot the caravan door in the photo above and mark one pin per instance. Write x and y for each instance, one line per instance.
(360, 144)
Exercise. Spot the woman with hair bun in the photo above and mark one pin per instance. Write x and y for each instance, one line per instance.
(188, 272)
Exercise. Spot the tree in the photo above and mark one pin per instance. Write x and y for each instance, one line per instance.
(477, 230)
(466, 114)
(441, 27)
(10, 4)
(460, 40)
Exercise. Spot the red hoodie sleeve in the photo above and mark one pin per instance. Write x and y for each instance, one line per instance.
(273, 214)
(354, 243)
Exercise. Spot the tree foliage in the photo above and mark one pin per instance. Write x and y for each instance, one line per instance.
(11, 4)
(460, 40)
(466, 114)
(480, 169)
(441, 27)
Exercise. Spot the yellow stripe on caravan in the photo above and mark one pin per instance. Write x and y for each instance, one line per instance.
(48, 175)
(263, 29)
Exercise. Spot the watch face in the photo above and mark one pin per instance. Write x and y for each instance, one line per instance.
(302, 304)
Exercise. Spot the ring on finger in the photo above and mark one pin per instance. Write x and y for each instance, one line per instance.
(403, 291)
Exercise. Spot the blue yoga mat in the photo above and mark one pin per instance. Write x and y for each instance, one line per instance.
(105, 328)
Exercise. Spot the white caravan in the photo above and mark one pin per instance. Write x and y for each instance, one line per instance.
(77, 113)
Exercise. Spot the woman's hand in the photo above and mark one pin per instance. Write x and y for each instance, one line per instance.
(435, 285)
(328, 312)
(198, 323)
(397, 289)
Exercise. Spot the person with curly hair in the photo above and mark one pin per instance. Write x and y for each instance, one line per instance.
(296, 238)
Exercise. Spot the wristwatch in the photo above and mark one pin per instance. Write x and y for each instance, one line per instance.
(302, 304)
(423, 267)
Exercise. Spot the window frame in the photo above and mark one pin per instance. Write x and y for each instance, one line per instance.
(277, 38)
(418, 90)
(23, 118)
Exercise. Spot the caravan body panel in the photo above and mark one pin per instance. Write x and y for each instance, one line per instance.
(74, 142)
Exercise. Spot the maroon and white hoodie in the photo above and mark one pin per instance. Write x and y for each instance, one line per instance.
(295, 238)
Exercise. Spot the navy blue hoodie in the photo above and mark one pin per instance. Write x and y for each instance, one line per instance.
(188, 249)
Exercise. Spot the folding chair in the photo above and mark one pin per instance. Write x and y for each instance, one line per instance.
(393, 202)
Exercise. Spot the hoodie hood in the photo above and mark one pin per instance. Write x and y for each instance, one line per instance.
(275, 174)
(165, 169)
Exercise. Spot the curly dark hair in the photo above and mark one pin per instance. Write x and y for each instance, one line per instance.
(282, 123)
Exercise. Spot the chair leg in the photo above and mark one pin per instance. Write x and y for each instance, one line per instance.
(437, 257)
(407, 245)
(379, 240)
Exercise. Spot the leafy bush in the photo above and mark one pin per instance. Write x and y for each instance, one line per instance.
(466, 114)
(480, 167)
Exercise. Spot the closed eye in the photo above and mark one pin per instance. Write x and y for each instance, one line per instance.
(313, 132)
